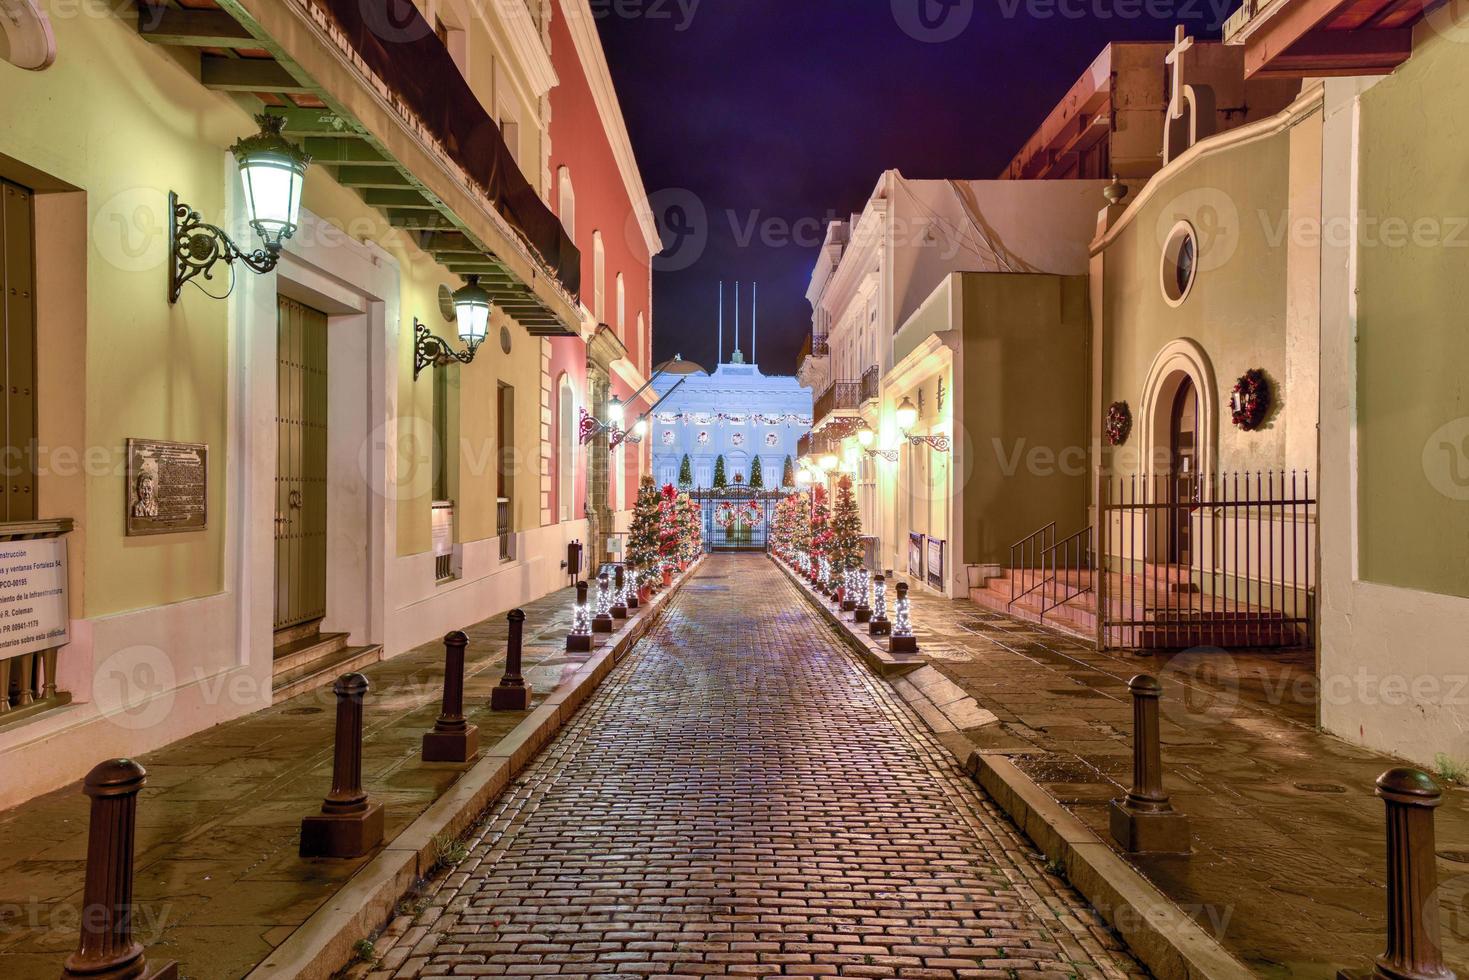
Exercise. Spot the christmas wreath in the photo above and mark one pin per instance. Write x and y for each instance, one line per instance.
(753, 517)
(1119, 423)
(1250, 402)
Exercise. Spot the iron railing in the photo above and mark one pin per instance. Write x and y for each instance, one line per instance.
(1027, 562)
(507, 534)
(870, 384)
(1225, 561)
(838, 395)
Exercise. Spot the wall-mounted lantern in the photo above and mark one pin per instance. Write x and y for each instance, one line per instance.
(907, 416)
(472, 308)
(273, 170)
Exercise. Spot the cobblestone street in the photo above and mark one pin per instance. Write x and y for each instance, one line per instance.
(740, 799)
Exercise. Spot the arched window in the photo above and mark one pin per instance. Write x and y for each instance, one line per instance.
(644, 347)
(566, 201)
(621, 309)
(566, 449)
(599, 278)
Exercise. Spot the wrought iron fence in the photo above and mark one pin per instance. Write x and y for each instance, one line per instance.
(1225, 560)
(838, 395)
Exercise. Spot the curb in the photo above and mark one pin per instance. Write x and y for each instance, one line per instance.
(1159, 933)
(323, 944)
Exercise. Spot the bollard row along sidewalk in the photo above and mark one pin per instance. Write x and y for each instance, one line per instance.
(214, 834)
(1286, 829)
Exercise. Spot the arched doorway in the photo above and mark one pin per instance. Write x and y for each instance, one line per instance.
(1183, 449)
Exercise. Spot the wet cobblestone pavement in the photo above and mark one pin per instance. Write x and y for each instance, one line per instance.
(740, 798)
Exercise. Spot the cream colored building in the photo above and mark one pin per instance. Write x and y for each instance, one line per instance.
(353, 510)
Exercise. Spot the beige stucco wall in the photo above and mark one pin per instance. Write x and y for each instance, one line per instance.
(1412, 346)
(1023, 429)
(1240, 200)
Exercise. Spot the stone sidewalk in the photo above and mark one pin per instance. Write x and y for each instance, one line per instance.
(1288, 865)
(218, 882)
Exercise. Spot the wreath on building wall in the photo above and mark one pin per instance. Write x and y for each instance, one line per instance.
(1119, 423)
(1250, 402)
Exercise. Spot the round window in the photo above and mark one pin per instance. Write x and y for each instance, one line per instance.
(26, 40)
(1180, 263)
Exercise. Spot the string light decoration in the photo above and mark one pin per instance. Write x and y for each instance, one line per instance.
(619, 593)
(878, 625)
(824, 575)
(863, 612)
(902, 639)
(603, 622)
(579, 640)
(849, 590)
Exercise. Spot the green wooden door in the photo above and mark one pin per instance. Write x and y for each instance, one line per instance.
(17, 352)
(300, 483)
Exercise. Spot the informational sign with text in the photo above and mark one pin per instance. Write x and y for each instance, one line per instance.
(33, 607)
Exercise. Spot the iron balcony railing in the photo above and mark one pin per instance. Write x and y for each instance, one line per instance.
(869, 384)
(838, 395)
(803, 446)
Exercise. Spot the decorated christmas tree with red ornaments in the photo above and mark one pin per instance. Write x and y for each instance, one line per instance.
(668, 529)
(844, 551)
(691, 529)
(642, 538)
(821, 536)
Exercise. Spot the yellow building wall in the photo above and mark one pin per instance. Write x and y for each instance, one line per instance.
(1238, 199)
(1412, 343)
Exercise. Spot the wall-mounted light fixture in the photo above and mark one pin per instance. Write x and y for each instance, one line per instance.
(472, 308)
(273, 170)
(907, 416)
(590, 428)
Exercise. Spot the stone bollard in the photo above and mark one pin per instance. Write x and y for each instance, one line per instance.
(619, 593)
(349, 824)
(1145, 822)
(602, 623)
(849, 590)
(902, 639)
(579, 640)
(107, 948)
(573, 560)
(878, 625)
(512, 693)
(453, 738)
(1414, 940)
(631, 595)
(862, 612)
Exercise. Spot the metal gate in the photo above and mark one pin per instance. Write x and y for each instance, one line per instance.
(300, 483)
(737, 518)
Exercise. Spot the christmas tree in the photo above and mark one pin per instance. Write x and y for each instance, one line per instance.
(788, 474)
(642, 543)
(668, 528)
(757, 475)
(719, 481)
(801, 524)
(690, 526)
(845, 551)
(685, 473)
(820, 528)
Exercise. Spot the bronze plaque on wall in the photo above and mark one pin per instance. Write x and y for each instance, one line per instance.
(167, 487)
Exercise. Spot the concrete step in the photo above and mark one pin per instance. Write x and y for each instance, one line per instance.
(305, 649)
(311, 674)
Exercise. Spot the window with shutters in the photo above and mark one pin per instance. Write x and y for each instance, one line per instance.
(18, 318)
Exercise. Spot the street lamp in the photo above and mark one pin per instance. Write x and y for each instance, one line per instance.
(906, 415)
(829, 462)
(615, 411)
(472, 309)
(273, 171)
(865, 436)
(803, 477)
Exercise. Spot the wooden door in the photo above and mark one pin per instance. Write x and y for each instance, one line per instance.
(300, 484)
(1183, 451)
(18, 356)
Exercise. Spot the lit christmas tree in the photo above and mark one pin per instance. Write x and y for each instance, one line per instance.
(719, 479)
(757, 475)
(801, 528)
(845, 550)
(788, 474)
(668, 529)
(691, 538)
(642, 538)
(685, 473)
(821, 534)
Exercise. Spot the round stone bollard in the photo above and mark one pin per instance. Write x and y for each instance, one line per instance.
(619, 593)
(107, 947)
(602, 622)
(579, 640)
(453, 738)
(1414, 937)
(512, 693)
(349, 824)
(1145, 822)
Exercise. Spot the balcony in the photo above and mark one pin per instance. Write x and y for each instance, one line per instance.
(870, 387)
(839, 396)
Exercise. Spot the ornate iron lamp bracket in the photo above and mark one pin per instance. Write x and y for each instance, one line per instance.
(939, 443)
(198, 245)
(891, 455)
(431, 351)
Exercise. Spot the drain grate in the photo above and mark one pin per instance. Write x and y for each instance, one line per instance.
(302, 711)
(1320, 787)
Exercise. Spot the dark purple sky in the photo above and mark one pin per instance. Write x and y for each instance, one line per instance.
(759, 120)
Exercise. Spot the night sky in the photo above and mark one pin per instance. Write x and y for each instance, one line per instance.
(757, 121)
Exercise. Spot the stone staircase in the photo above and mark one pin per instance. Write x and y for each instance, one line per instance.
(1171, 614)
(306, 659)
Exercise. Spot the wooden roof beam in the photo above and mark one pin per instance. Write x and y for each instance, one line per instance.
(192, 28)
